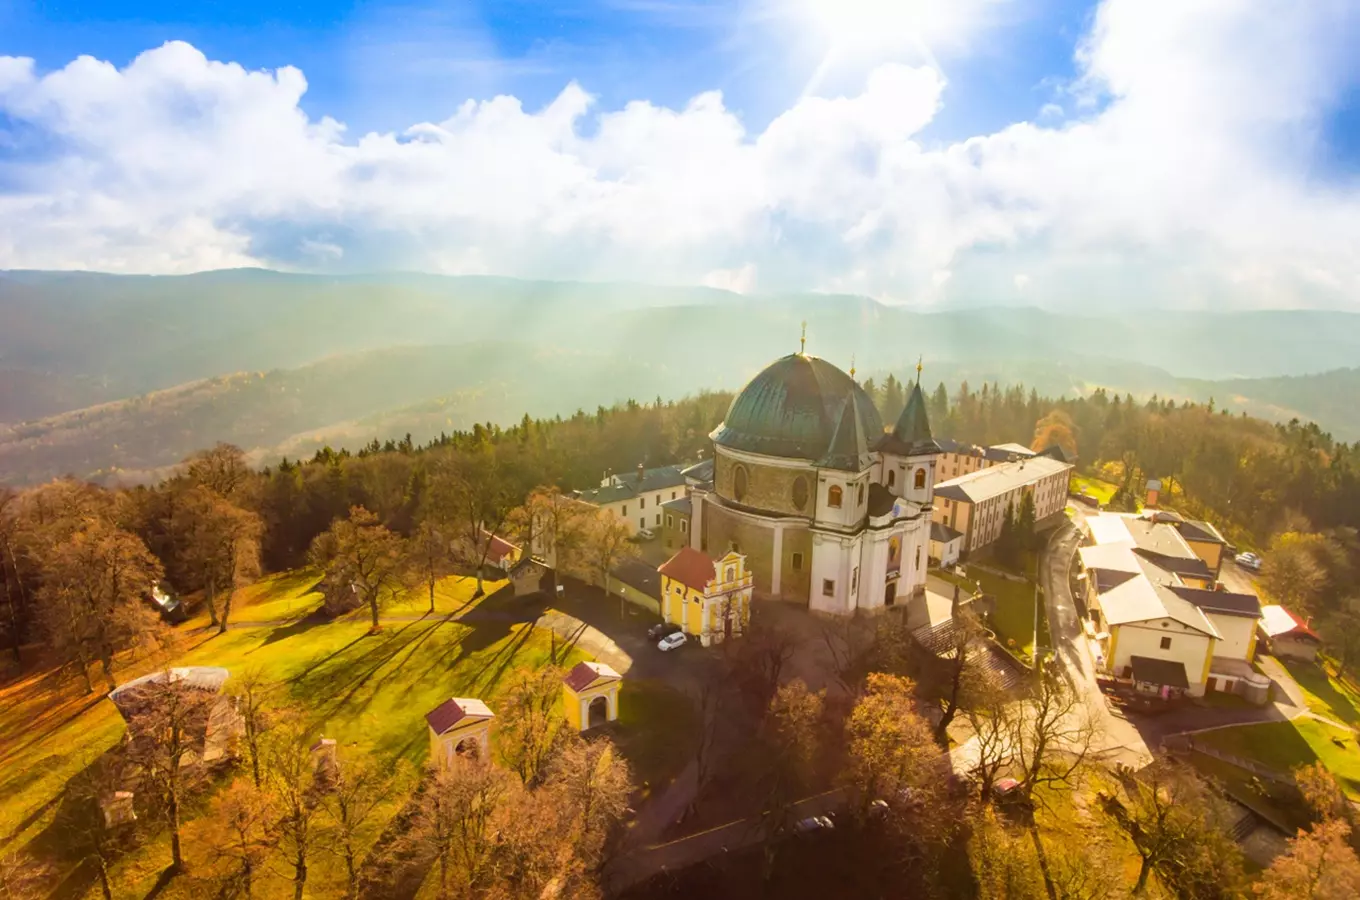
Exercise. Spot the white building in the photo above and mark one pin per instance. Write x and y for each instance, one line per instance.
(637, 498)
(976, 504)
(828, 508)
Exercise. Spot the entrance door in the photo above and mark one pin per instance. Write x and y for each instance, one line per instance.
(598, 712)
(890, 594)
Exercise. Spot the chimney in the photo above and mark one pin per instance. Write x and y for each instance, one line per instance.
(641, 471)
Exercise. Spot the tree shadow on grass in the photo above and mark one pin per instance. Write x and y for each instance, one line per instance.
(1314, 680)
(314, 618)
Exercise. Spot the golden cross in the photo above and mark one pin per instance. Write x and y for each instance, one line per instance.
(852, 365)
(802, 341)
(919, 360)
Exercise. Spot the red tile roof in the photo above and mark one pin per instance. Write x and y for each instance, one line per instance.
(587, 673)
(498, 548)
(451, 712)
(690, 567)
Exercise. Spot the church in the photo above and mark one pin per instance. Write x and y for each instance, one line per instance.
(830, 509)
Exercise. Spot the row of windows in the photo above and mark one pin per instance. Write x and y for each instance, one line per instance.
(642, 501)
(835, 496)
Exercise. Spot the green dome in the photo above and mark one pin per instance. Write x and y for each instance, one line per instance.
(792, 407)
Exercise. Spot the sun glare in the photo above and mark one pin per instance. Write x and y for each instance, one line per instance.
(850, 23)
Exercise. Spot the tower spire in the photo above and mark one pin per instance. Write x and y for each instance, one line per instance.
(802, 340)
(852, 365)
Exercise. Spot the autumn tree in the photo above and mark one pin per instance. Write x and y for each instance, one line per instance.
(431, 555)
(250, 689)
(531, 724)
(473, 493)
(1178, 828)
(1005, 866)
(238, 833)
(168, 716)
(1291, 573)
(356, 790)
(223, 544)
(591, 781)
(91, 598)
(892, 754)
(554, 526)
(790, 740)
(97, 839)
(454, 824)
(290, 779)
(221, 469)
(1319, 865)
(606, 542)
(361, 557)
(1055, 429)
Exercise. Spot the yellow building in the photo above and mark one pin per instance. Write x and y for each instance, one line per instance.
(590, 695)
(459, 727)
(710, 601)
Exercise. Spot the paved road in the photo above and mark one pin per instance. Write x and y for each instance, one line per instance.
(1118, 739)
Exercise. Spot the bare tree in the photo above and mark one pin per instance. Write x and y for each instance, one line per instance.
(91, 599)
(251, 689)
(606, 542)
(290, 778)
(553, 525)
(223, 544)
(360, 555)
(757, 662)
(238, 835)
(993, 736)
(1053, 732)
(1177, 826)
(98, 838)
(222, 469)
(960, 670)
(591, 781)
(848, 641)
(21, 876)
(357, 789)
(454, 823)
(472, 492)
(531, 728)
(430, 555)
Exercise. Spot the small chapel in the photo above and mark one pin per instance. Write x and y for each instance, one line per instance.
(829, 508)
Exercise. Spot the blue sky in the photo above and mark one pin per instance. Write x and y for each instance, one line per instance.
(1067, 152)
(385, 65)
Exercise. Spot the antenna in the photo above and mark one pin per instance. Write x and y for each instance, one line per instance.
(802, 341)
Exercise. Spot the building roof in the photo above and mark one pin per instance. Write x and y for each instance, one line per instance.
(1166, 672)
(910, 435)
(1223, 603)
(792, 408)
(1154, 484)
(1199, 530)
(963, 448)
(528, 562)
(985, 484)
(1277, 620)
(849, 447)
(679, 505)
(498, 548)
(640, 576)
(943, 533)
(701, 471)
(1058, 453)
(1006, 452)
(1155, 538)
(690, 567)
(204, 678)
(881, 500)
(455, 710)
(584, 674)
(628, 486)
(1131, 588)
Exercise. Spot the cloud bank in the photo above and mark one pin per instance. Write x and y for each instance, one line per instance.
(1177, 170)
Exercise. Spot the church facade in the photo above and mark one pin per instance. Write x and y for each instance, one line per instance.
(829, 508)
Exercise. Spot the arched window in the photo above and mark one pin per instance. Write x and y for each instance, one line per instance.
(800, 492)
(859, 496)
(833, 496)
(892, 478)
(920, 479)
(730, 575)
(918, 557)
(739, 483)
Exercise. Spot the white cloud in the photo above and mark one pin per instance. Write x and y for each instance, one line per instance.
(1186, 181)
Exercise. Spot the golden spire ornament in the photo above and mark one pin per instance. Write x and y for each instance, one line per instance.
(802, 341)
(919, 360)
(852, 365)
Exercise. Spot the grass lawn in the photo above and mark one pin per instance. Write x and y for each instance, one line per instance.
(369, 692)
(1014, 618)
(1273, 799)
(1102, 491)
(1326, 695)
(1286, 745)
(294, 595)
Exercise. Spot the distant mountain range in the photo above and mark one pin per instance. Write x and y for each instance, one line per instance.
(134, 372)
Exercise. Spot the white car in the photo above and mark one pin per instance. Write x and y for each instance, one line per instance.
(671, 641)
(813, 823)
(1248, 561)
(645, 534)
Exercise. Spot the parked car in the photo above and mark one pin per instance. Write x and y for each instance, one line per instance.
(645, 534)
(1248, 560)
(671, 641)
(812, 824)
(661, 629)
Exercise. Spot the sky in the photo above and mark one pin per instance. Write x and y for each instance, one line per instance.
(1113, 154)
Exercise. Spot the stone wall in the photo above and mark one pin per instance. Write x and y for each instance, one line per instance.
(767, 487)
(722, 528)
(793, 584)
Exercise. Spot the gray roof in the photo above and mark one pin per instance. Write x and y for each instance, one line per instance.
(1005, 452)
(985, 484)
(1223, 603)
(638, 575)
(681, 505)
(700, 471)
(943, 533)
(1199, 530)
(657, 479)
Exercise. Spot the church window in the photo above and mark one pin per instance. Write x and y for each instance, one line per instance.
(828, 587)
(918, 557)
(920, 479)
(642, 503)
(800, 492)
(854, 580)
(670, 520)
(859, 496)
(833, 496)
(730, 575)
(739, 482)
(797, 562)
(892, 478)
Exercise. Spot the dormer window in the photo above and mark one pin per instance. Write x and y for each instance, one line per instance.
(833, 496)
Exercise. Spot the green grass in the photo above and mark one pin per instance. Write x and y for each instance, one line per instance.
(1276, 800)
(1014, 617)
(369, 692)
(1284, 746)
(1102, 491)
(1326, 695)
